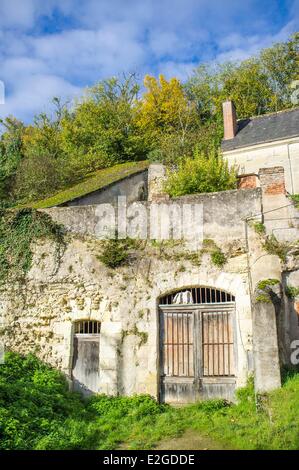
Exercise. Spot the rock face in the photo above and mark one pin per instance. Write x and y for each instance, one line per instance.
(39, 315)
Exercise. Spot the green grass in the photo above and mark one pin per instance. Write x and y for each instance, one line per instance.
(38, 412)
(94, 181)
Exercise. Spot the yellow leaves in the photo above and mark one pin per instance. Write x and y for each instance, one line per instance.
(163, 104)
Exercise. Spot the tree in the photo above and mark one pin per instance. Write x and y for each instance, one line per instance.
(101, 131)
(11, 154)
(281, 65)
(43, 168)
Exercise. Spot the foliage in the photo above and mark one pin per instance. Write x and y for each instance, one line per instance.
(38, 412)
(264, 290)
(11, 154)
(201, 174)
(274, 247)
(292, 291)
(257, 85)
(266, 283)
(93, 182)
(295, 198)
(102, 129)
(18, 229)
(259, 228)
(116, 252)
(218, 258)
(116, 121)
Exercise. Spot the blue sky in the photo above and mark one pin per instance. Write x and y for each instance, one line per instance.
(58, 47)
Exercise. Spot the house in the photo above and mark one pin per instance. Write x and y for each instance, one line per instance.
(262, 142)
(179, 321)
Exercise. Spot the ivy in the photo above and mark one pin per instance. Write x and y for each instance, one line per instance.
(18, 230)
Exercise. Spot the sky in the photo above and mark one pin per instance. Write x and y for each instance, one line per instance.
(59, 47)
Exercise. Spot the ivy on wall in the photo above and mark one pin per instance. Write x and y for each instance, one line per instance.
(18, 230)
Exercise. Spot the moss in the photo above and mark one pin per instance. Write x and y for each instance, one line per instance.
(264, 290)
(142, 335)
(92, 182)
(263, 298)
(266, 283)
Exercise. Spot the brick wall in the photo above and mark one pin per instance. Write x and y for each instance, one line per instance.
(272, 180)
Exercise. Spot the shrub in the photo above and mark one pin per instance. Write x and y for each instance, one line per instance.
(201, 174)
(259, 227)
(295, 199)
(292, 291)
(218, 258)
(116, 252)
(274, 247)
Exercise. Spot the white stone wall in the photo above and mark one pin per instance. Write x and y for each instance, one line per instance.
(280, 153)
(40, 313)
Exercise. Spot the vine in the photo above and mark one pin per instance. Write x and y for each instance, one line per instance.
(18, 230)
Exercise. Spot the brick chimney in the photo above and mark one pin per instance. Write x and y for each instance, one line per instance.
(229, 120)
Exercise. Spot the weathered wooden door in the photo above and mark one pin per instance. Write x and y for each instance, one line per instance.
(197, 357)
(86, 358)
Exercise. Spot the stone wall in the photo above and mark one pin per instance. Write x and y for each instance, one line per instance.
(40, 313)
(222, 214)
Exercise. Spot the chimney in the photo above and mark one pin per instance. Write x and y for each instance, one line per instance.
(229, 120)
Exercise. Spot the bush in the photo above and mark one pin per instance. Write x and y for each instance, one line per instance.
(274, 247)
(218, 258)
(116, 252)
(201, 174)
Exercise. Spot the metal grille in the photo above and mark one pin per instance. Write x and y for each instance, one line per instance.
(87, 327)
(217, 344)
(178, 354)
(200, 295)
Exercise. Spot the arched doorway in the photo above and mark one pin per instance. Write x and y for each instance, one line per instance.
(86, 357)
(197, 353)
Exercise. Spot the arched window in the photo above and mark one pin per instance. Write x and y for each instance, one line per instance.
(197, 296)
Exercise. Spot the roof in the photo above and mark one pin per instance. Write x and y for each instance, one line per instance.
(263, 129)
(93, 182)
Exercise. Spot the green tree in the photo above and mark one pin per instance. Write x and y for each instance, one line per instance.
(281, 65)
(101, 131)
(11, 154)
(43, 168)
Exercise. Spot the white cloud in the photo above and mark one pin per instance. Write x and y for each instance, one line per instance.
(33, 94)
(95, 39)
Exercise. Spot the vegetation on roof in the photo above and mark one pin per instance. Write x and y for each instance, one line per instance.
(94, 181)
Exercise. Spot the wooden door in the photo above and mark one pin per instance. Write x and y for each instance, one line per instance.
(86, 361)
(196, 353)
